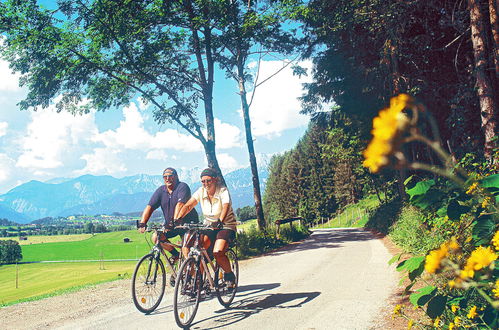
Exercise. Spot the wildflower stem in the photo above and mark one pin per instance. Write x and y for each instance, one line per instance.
(485, 296)
(437, 170)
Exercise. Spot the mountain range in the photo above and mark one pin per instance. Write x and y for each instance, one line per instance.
(91, 195)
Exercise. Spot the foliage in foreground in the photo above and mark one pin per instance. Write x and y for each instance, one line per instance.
(459, 208)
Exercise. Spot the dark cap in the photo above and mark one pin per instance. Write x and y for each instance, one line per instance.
(170, 169)
(209, 172)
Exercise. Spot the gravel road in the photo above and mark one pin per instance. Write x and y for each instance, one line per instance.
(336, 279)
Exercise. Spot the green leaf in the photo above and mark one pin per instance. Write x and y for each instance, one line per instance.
(420, 188)
(454, 210)
(410, 264)
(416, 272)
(431, 197)
(442, 211)
(422, 296)
(436, 306)
(492, 181)
(395, 258)
(483, 230)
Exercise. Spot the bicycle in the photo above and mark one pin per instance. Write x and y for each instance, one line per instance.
(149, 277)
(199, 273)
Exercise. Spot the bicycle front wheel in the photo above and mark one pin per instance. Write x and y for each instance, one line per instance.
(227, 291)
(187, 292)
(148, 283)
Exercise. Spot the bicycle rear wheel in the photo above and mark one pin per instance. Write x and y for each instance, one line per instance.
(187, 293)
(226, 292)
(148, 283)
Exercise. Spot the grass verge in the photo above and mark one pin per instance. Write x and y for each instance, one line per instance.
(37, 281)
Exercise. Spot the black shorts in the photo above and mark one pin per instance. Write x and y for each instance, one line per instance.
(163, 237)
(225, 234)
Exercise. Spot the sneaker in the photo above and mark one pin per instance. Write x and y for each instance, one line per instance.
(230, 279)
(173, 259)
(172, 280)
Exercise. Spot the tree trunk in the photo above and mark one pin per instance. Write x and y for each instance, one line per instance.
(249, 141)
(484, 84)
(494, 24)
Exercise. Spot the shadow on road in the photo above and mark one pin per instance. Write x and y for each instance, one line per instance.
(242, 291)
(247, 307)
(327, 238)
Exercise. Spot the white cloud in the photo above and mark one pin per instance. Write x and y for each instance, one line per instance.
(50, 136)
(275, 106)
(227, 163)
(227, 135)
(103, 161)
(3, 128)
(6, 168)
(157, 155)
(9, 81)
(131, 134)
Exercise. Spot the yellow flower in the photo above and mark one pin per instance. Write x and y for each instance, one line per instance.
(436, 323)
(457, 321)
(495, 240)
(410, 324)
(451, 326)
(485, 202)
(496, 289)
(472, 188)
(396, 310)
(480, 258)
(472, 313)
(435, 257)
(454, 308)
(387, 126)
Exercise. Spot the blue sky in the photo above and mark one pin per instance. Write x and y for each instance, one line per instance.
(44, 145)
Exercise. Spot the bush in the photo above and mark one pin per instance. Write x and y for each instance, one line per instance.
(254, 242)
(10, 252)
(410, 233)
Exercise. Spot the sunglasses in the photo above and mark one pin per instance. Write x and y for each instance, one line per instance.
(206, 181)
(168, 176)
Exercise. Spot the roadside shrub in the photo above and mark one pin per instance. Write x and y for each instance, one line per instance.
(294, 233)
(411, 234)
(384, 216)
(253, 242)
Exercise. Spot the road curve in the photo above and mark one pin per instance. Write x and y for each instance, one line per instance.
(336, 279)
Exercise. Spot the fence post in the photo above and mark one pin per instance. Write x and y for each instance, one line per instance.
(17, 275)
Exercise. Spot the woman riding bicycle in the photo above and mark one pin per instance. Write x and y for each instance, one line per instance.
(218, 214)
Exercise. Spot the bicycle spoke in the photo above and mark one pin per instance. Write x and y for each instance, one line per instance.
(148, 283)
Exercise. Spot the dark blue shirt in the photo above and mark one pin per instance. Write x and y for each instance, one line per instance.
(167, 201)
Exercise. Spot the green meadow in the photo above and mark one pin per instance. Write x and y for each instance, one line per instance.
(97, 247)
(38, 280)
(35, 281)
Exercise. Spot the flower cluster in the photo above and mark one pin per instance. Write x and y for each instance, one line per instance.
(435, 257)
(480, 258)
(386, 129)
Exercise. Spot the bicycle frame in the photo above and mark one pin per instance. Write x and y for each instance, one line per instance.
(201, 255)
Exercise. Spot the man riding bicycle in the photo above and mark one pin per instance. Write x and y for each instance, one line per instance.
(172, 196)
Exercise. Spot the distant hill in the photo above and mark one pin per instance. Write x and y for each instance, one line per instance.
(8, 213)
(91, 195)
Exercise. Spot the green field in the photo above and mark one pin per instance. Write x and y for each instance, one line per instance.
(39, 280)
(100, 246)
(37, 239)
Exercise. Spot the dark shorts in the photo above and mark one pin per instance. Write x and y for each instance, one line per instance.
(225, 234)
(163, 237)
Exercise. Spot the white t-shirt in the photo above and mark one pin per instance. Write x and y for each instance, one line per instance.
(212, 209)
